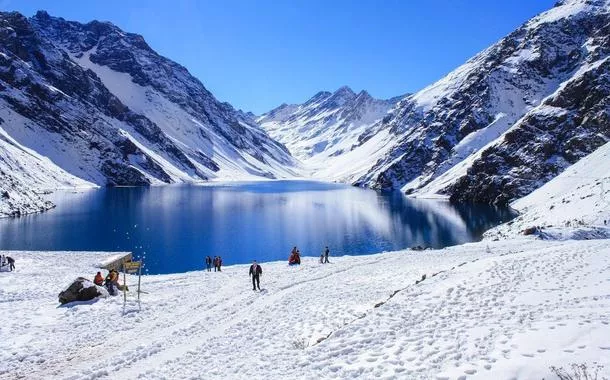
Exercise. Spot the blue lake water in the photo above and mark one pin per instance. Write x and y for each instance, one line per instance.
(173, 228)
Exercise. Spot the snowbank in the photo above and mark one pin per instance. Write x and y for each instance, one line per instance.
(505, 309)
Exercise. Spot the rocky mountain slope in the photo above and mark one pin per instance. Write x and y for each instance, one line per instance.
(575, 204)
(502, 124)
(325, 126)
(105, 108)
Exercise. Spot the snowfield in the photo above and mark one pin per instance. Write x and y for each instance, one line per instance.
(503, 309)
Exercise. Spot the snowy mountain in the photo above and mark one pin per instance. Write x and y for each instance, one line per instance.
(502, 124)
(99, 105)
(575, 204)
(325, 126)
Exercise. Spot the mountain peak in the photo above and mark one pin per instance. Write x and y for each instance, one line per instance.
(42, 15)
(344, 90)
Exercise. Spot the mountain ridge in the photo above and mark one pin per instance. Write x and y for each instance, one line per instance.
(447, 127)
(326, 123)
(104, 109)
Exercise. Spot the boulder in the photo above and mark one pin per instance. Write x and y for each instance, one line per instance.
(81, 290)
(530, 230)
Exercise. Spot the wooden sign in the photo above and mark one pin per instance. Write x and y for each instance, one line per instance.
(132, 266)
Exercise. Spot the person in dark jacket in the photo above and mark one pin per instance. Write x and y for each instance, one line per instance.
(208, 263)
(11, 263)
(219, 263)
(255, 272)
(326, 253)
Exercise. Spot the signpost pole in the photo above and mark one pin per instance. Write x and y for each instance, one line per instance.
(139, 280)
(124, 283)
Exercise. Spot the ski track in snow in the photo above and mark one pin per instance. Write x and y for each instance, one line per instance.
(507, 309)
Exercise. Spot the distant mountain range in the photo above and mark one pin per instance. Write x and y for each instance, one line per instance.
(326, 125)
(89, 104)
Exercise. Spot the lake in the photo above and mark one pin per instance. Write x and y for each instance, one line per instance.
(173, 228)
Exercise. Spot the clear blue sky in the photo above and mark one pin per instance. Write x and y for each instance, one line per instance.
(257, 54)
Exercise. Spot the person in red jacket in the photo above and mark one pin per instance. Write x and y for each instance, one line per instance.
(255, 272)
(98, 280)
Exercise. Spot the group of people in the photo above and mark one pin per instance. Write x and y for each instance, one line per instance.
(217, 263)
(7, 261)
(256, 271)
(111, 282)
(295, 256)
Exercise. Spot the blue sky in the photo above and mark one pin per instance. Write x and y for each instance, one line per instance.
(257, 54)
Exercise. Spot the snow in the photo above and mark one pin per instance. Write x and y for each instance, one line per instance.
(504, 309)
(30, 173)
(566, 10)
(574, 204)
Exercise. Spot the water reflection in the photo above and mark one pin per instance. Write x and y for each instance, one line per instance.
(175, 227)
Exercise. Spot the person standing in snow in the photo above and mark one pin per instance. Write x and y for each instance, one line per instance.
(112, 282)
(326, 253)
(215, 263)
(255, 272)
(208, 263)
(11, 263)
(219, 263)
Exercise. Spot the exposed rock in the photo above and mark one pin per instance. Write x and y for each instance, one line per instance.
(81, 290)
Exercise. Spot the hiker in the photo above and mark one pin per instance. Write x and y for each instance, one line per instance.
(292, 259)
(98, 280)
(11, 263)
(219, 263)
(326, 253)
(255, 272)
(295, 257)
(208, 263)
(322, 258)
(215, 263)
(112, 282)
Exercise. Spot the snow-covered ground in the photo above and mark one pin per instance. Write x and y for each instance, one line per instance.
(499, 309)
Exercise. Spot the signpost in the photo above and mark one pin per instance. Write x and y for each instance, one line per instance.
(131, 267)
